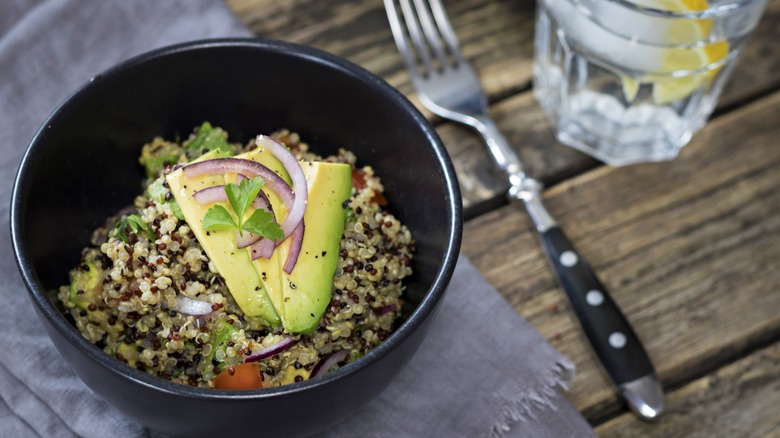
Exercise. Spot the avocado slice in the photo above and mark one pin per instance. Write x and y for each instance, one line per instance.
(260, 287)
(232, 263)
(302, 296)
(306, 291)
(85, 285)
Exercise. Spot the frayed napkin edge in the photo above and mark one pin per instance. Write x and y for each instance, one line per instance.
(538, 397)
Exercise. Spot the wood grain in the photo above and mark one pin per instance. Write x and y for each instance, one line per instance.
(497, 36)
(739, 400)
(691, 257)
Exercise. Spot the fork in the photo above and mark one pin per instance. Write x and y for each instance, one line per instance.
(448, 86)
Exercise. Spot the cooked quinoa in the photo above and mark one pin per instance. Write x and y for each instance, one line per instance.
(122, 292)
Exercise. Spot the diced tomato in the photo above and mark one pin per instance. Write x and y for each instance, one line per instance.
(358, 179)
(359, 183)
(243, 376)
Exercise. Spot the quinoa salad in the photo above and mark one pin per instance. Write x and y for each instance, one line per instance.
(147, 292)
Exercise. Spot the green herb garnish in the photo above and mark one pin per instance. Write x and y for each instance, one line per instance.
(176, 209)
(240, 196)
(209, 138)
(136, 225)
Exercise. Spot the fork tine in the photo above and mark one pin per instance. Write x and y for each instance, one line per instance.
(434, 40)
(399, 36)
(413, 26)
(446, 29)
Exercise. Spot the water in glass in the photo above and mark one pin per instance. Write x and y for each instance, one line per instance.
(630, 81)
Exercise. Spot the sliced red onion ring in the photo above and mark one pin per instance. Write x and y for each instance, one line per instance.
(210, 195)
(213, 194)
(271, 350)
(245, 238)
(379, 311)
(328, 362)
(293, 168)
(295, 248)
(188, 306)
(263, 248)
(221, 166)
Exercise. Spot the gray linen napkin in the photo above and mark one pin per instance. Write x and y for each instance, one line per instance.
(482, 371)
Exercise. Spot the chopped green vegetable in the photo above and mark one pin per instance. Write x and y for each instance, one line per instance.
(136, 224)
(157, 154)
(209, 138)
(176, 209)
(350, 216)
(156, 191)
(221, 337)
(84, 286)
(240, 197)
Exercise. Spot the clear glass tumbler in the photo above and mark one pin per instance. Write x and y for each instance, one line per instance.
(630, 81)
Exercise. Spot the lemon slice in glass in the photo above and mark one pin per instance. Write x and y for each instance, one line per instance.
(693, 57)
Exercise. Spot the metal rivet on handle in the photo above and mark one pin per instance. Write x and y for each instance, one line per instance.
(568, 259)
(617, 340)
(594, 297)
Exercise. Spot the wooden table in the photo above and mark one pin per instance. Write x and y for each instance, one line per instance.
(690, 249)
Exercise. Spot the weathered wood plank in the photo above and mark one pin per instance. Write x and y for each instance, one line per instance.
(497, 37)
(688, 248)
(739, 400)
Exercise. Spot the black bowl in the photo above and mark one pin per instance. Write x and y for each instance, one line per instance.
(81, 167)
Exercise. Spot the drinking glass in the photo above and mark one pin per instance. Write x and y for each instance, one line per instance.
(630, 81)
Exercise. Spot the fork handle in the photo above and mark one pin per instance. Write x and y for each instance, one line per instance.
(607, 329)
(613, 340)
(503, 154)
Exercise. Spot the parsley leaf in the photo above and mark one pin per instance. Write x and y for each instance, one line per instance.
(137, 226)
(218, 218)
(120, 228)
(240, 197)
(262, 223)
